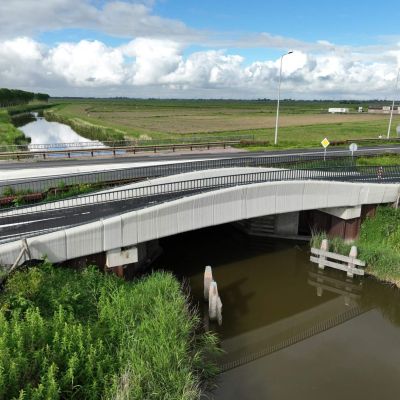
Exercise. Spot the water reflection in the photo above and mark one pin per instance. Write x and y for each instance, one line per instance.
(42, 131)
(279, 309)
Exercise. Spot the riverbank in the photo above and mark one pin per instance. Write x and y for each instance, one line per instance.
(87, 335)
(84, 128)
(9, 134)
(378, 245)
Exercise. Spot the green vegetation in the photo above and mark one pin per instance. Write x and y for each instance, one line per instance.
(378, 245)
(85, 128)
(302, 123)
(385, 160)
(22, 196)
(86, 335)
(9, 134)
(13, 97)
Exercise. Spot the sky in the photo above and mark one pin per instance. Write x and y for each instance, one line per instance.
(201, 49)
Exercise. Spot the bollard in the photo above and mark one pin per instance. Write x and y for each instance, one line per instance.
(208, 278)
(353, 254)
(322, 259)
(212, 301)
(219, 311)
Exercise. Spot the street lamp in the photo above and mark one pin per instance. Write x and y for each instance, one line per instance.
(394, 97)
(279, 98)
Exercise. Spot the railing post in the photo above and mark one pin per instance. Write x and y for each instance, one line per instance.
(322, 259)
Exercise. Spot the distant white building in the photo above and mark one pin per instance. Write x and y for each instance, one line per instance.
(337, 110)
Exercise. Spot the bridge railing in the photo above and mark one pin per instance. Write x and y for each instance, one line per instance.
(131, 174)
(152, 194)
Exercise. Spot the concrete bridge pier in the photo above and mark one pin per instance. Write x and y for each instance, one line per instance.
(344, 222)
(124, 262)
(127, 262)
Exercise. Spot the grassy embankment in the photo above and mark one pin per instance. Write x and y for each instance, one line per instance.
(302, 124)
(86, 335)
(378, 245)
(9, 134)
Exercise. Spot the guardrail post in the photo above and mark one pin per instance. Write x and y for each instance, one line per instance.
(322, 259)
(353, 254)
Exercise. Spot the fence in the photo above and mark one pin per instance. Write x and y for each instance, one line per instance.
(350, 264)
(131, 143)
(174, 190)
(136, 173)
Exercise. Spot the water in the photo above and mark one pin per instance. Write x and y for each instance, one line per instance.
(288, 330)
(41, 131)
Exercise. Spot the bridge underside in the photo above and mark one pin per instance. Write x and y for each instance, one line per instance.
(344, 222)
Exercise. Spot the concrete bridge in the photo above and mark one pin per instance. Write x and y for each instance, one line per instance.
(121, 234)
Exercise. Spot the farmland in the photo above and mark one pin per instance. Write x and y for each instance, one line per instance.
(302, 123)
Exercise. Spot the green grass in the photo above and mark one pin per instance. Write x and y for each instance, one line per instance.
(378, 244)
(86, 335)
(114, 119)
(385, 160)
(9, 134)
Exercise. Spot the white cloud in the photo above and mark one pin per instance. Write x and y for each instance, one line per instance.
(154, 58)
(118, 18)
(87, 63)
(150, 67)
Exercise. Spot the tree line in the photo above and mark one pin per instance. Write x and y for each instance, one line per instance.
(14, 97)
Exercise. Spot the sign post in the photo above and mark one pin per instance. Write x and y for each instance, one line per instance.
(325, 143)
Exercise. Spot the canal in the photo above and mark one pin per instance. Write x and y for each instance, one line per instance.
(288, 330)
(41, 131)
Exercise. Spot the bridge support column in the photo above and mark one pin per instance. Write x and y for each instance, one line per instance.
(129, 261)
(344, 222)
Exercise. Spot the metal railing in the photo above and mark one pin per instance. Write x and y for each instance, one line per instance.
(178, 189)
(136, 173)
(131, 143)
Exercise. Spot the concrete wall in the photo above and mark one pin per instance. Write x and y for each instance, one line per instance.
(199, 211)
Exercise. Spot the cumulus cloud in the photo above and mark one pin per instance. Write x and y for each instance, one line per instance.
(87, 63)
(153, 67)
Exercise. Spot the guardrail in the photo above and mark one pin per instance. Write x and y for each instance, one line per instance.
(178, 189)
(364, 140)
(133, 142)
(135, 173)
(112, 150)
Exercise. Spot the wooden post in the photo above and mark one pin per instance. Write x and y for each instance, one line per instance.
(219, 311)
(212, 301)
(208, 278)
(351, 264)
(324, 247)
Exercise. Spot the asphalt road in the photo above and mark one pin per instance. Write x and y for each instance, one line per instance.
(366, 150)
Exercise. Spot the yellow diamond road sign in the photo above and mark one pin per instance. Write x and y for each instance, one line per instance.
(325, 143)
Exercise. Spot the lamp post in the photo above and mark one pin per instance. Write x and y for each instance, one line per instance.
(279, 98)
(394, 97)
